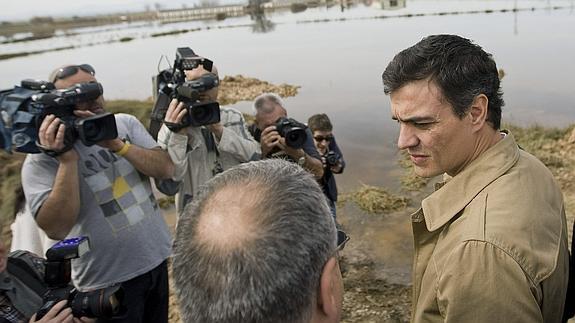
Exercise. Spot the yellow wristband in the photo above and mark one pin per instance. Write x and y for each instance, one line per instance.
(123, 150)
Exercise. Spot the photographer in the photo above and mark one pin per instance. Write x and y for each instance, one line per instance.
(19, 301)
(201, 152)
(331, 156)
(103, 192)
(269, 109)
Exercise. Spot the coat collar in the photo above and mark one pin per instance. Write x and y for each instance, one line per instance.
(454, 195)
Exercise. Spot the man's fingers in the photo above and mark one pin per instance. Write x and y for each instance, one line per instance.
(181, 115)
(49, 136)
(65, 316)
(281, 143)
(60, 135)
(268, 130)
(45, 123)
(174, 111)
(56, 309)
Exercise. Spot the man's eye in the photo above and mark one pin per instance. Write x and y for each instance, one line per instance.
(423, 125)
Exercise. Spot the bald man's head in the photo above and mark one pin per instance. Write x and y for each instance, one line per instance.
(252, 245)
(230, 217)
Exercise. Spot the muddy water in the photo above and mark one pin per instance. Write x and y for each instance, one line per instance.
(338, 64)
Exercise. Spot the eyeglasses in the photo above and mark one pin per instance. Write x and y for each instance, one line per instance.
(342, 239)
(322, 138)
(68, 71)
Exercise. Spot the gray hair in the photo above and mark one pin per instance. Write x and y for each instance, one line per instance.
(273, 273)
(267, 103)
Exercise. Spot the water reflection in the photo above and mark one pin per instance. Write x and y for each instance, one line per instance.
(257, 14)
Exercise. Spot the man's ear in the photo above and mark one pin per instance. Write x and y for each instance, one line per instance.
(327, 298)
(478, 111)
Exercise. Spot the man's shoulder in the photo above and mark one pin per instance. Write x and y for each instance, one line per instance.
(521, 213)
(230, 115)
(39, 160)
(125, 117)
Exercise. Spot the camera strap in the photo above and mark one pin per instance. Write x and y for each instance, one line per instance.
(24, 272)
(212, 147)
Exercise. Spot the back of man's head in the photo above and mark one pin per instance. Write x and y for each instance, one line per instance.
(252, 246)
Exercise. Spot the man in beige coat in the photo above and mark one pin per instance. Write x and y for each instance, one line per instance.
(491, 241)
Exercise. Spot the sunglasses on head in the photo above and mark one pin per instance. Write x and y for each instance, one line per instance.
(322, 138)
(68, 71)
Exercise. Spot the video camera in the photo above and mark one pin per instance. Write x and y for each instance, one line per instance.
(23, 108)
(293, 131)
(103, 303)
(171, 83)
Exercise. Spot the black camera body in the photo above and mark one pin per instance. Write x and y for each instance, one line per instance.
(293, 131)
(103, 303)
(332, 158)
(23, 108)
(171, 84)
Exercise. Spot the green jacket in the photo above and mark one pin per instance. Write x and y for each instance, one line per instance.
(491, 243)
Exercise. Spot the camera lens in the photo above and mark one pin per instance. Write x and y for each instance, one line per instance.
(200, 114)
(295, 138)
(91, 130)
(103, 303)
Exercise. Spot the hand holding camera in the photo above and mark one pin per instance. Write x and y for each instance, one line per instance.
(59, 313)
(332, 160)
(194, 84)
(269, 140)
(25, 109)
(103, 303)
(174, 116)
(51, 138)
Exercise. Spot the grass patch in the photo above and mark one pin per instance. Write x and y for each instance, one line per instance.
(10, 168)
(166, 202)
(375, 200)
(139, 109)
(543, 143)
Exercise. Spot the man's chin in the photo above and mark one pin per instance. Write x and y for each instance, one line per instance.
(425, 172)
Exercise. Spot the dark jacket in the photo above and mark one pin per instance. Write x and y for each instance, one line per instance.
(328, 180)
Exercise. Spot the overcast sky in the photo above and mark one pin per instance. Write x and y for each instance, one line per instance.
(25, 9)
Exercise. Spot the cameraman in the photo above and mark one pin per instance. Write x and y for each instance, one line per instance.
(269, 107)
(199, 153)
(331, 156)
(18, 300)
(103, 192)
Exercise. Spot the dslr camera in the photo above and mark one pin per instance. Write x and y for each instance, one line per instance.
(103, 303)
(171, 83)
(23, 108)
(293, 131)
(332, 158)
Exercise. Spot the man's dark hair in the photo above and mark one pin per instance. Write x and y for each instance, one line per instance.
(462, 70)
(319, 122)
(268, 268)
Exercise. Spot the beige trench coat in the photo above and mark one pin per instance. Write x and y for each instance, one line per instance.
(491, 243)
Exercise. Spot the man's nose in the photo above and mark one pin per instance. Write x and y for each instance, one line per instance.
(407, 137)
